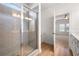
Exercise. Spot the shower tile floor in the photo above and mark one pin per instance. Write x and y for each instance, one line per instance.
(25, 50)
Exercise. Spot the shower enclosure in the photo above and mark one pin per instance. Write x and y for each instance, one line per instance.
(18, 29)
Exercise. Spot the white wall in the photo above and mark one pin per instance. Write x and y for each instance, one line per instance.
(47, 26)
(74, 23)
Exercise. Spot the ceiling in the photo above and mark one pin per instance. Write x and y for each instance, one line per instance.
(60, 8)
(33, 6)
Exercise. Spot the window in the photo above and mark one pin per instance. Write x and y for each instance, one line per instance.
(61, 27)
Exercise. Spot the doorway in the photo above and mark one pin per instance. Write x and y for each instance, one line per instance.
(61, 46)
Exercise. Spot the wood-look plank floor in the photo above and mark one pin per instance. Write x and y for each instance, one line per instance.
(60, 50)
(62, 46)
(47, 50)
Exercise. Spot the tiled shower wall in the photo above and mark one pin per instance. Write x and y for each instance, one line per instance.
(74, 45)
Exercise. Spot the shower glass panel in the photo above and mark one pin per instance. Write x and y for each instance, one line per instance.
(32, 29)
(25, 37)
(29, 31)
(9, 29)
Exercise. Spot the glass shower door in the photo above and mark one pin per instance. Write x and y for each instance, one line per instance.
(29, 31)
(33, 29)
